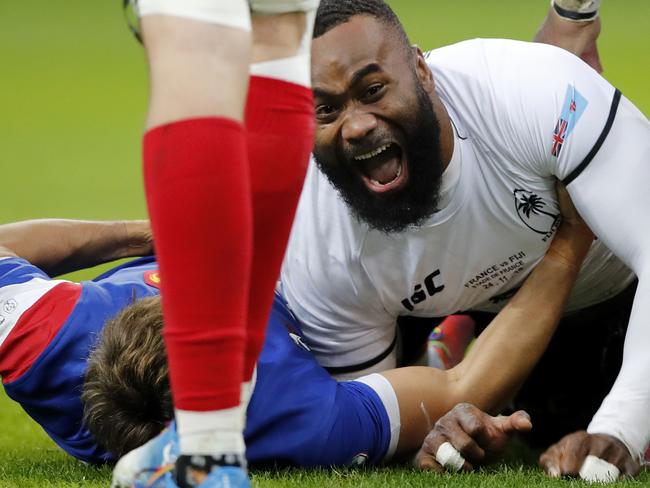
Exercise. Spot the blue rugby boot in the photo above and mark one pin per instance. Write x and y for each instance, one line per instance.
(208, 472)
(150, 465)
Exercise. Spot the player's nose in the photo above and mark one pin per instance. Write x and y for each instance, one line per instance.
(358, 125)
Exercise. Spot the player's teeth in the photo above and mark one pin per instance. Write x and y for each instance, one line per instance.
(399, 172)
(372, 153)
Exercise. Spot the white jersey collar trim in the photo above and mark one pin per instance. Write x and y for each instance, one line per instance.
(451, 175)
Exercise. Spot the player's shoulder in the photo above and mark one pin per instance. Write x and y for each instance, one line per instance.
(479, 54)
(15, 270)
(33, 307)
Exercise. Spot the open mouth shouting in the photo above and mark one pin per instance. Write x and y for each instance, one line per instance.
(383, 168)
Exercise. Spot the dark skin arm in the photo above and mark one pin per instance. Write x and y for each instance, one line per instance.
(62, 246)
(505, 353)
(578, 38)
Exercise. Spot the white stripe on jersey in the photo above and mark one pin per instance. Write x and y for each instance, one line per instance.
(387, 395)
(16, 299)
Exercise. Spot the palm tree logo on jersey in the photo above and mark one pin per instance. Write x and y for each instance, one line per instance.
(534, 212)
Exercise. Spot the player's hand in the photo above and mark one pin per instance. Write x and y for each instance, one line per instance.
(567, 458)
(139, 238)
(475, 435)
(576, 37)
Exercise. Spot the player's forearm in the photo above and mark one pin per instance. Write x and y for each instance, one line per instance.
(624, 412)
(61, 246)
(503, 355)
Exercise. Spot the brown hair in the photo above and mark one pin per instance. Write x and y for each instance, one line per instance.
(126, 394)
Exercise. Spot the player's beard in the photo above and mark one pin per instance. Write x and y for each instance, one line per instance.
(418, 199)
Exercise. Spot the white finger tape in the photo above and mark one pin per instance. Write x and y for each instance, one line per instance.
(449, 457)
(598, 470)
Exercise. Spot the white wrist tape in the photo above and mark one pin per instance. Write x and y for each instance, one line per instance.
(598, 470)
(576, 10)
(283, 6)
(449, 457)
(229, 13)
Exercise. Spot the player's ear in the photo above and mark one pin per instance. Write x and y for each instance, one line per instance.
(422, 69)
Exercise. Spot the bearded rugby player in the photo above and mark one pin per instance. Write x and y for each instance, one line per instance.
(432, 192)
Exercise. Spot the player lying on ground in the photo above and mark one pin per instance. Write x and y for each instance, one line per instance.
(49, 327)
(412, 397)
(432, 192)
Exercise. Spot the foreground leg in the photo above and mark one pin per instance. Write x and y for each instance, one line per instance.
(197, 183)
(280, 123)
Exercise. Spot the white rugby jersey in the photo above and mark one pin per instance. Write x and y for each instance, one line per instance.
(348, 283)
(524, 115)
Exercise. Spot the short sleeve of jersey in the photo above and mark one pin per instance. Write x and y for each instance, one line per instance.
(14, 271)
(22, 285)
(299, 415)
(538, 106)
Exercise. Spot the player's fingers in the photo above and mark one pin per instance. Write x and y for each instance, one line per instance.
(614, 453)
(550, 461)
(516, 422)
(461, 435)
(427, 462)
(574, 450)
(452, 460)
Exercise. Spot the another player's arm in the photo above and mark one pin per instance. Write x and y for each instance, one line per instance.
(573, 25)
(504, 354)
(611, 193)
(61, 246)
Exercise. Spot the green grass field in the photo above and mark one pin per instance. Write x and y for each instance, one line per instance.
(72, 101)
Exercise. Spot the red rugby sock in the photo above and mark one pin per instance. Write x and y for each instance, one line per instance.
(198, 193)
(280, 123)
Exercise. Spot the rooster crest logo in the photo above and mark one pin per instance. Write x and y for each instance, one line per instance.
(534, 212)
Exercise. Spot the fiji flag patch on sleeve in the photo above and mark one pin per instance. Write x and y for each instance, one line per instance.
(572, 109)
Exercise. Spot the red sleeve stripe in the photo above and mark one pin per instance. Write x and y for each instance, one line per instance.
(35, 329)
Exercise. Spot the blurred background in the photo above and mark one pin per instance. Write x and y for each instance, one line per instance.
(73, 95)
(73, 91)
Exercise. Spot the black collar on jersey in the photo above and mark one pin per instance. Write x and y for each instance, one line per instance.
(603, 135)
(365, 365)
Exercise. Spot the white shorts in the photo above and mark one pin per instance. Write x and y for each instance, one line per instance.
(229, 13)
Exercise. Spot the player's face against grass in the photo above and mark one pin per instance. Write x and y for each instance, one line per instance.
(377, 135)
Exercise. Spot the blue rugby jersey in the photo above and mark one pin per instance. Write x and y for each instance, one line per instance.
(298, 414)
(49, 327)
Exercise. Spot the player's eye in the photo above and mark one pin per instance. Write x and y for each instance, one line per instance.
(374, 90)
(325, 111)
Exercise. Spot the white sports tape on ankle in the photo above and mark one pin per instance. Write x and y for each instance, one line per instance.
(229, 13)
(576, 10)
(283, 6)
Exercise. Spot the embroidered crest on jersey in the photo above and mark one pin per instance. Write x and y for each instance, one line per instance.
(572, 109)
(152, 278)
(536, 213)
